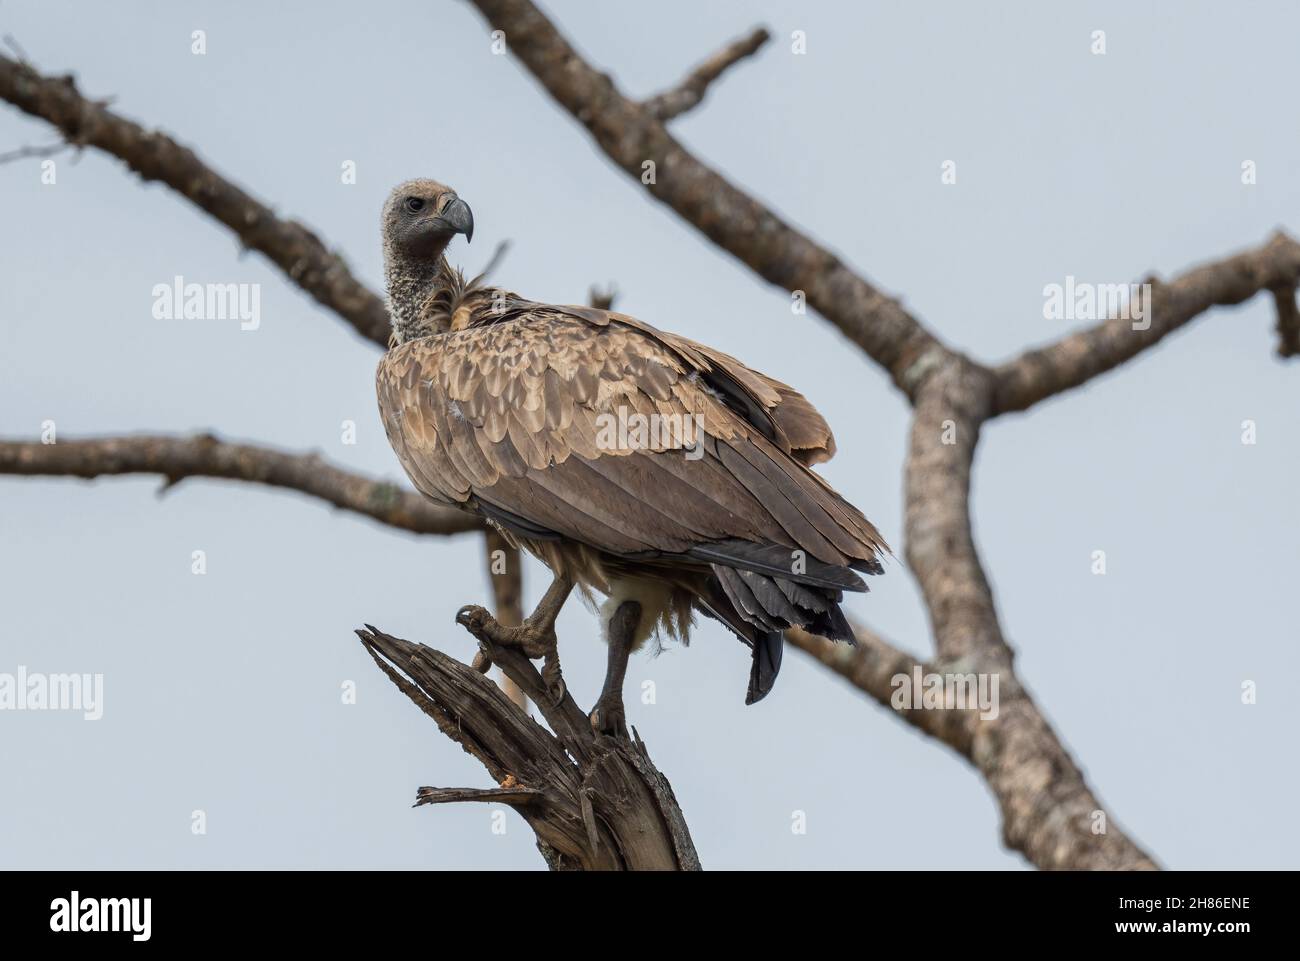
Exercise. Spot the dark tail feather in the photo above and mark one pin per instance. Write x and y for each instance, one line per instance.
(758, 607)
(775, 561)
(765, 666)
(766, 645)
(832, 624)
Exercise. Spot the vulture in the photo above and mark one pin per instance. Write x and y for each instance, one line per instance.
(660, 473)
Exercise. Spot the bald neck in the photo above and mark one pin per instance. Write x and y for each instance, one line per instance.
(413, 288)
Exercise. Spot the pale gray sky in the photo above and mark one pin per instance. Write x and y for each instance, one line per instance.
(222, 692)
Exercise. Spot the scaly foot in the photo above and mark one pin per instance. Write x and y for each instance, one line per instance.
(528, 639)
(608, 716)
(535, 638)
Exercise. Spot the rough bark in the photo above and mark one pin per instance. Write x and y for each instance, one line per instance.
(631, 135)
(1288, 320)
(1079, 357)
(305, 260)
(688, 94)
(1048, 810)
(594, 802)
(203, 455)
(871, 666)
(506, 574)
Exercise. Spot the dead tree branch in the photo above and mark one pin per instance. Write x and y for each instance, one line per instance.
(871, 666)
(176, 458)
(602, 298)
(506, 573)
(27, 153)
(1046, 818)
(1288, 320)
(594, 802)
(688, 94)
(1046, 805)
(1076, 359)
(631, 135)
(1048, 811)
(625, 810)
(305, 260)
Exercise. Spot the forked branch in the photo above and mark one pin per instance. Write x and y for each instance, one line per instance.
(1048, 809)
(688, 94)
(594, 802)
(1048, 819)
(1074, 360)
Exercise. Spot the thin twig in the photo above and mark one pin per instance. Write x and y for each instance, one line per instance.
(690, 92)
(24, 153)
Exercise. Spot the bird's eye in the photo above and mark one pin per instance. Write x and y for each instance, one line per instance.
(414, 204)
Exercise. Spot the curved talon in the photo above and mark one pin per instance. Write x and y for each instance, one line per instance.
(534, 638)
(473, 617)
(557, 690)
(555, 687)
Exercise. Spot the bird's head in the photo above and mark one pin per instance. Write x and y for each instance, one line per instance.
(420, 219)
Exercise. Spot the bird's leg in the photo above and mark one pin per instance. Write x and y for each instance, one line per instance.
(542, 620)
(534, 638)
(608, 716)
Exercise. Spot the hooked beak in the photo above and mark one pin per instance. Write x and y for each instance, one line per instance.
(459, 218)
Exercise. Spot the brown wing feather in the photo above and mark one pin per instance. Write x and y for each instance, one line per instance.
(809, 436)
(514, 411)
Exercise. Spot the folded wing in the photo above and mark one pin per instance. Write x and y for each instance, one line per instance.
(572, 422)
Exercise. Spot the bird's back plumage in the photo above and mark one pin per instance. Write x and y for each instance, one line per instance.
(535, 416)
